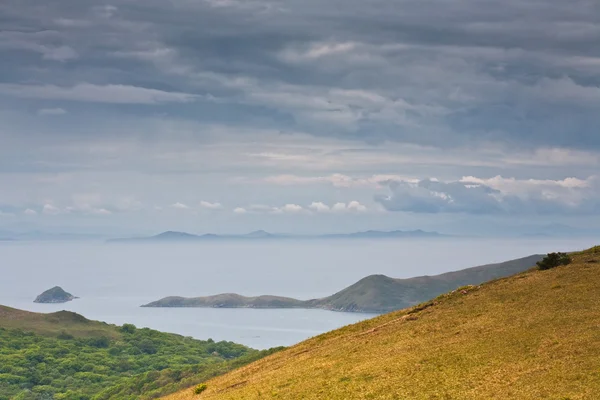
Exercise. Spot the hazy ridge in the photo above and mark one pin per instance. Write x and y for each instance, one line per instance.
(175, 236)
(372, 294)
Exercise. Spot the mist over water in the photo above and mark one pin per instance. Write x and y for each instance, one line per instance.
(113, 280)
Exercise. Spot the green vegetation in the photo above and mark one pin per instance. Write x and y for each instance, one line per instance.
(375, 293)
(200, 388)
(553, 260)
(64, 356)
(533, 335)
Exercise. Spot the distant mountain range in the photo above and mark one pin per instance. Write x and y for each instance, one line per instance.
(373, 294)
(173, 236)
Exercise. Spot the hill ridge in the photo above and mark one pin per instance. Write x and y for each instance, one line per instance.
(371, 294)
(528, 336)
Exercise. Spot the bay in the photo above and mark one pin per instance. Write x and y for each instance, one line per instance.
(113, 280)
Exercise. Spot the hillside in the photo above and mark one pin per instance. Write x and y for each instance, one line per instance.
(64, 356)
(530, 336)
(373, 294)
(54, 323)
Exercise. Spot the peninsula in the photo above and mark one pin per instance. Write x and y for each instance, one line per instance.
(372, 294)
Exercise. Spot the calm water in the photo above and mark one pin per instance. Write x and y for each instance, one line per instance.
(114, 280)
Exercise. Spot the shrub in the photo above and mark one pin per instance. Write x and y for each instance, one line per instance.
(553, 260)
(128, 328)
(147, 346)
(100, 342)
(200, 388)
(65, 336)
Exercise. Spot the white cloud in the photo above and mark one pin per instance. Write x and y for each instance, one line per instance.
(259, 208)
(72, 23)
(316, 51)
(356, 206)
(100, 211)
(180, 206)
(29, 211)
(319, 206)
(87, 92)
(51, 111)
(41, 42)
(105, 11)
(49, 209)
(211, 206)
(513, 184)
(352, 206)
(337, 180)
(338, 207)
(289, 209)
(240, 210)
(496, 195)
(314, 207)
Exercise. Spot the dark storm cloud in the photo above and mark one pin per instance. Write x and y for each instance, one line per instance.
(522, 73)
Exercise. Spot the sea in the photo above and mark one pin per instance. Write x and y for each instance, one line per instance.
(112, 280)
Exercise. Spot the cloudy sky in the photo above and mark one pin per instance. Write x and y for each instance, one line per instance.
(299, 115)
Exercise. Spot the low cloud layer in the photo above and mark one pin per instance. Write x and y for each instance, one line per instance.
(471, 195)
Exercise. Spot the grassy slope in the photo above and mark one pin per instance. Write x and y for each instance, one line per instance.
(535, 335)
(379, 293)
(54, 323)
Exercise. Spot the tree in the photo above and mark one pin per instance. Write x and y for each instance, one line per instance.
(128, 328)
(553, 260)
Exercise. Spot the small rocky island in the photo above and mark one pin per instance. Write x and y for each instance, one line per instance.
(54, 295)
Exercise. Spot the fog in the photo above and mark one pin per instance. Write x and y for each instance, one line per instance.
(113, 280)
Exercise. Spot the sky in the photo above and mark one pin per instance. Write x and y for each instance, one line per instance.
(299, 116)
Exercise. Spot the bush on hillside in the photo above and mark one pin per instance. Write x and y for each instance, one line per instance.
(200, 388)
(553, 260)
(128, 328)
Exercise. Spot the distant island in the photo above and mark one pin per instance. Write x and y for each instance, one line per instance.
(174, 236)
(373, 294)
(54, 295)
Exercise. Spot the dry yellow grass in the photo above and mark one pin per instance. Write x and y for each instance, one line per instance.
(535, 335)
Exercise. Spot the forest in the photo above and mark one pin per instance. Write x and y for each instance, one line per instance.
(121, 363)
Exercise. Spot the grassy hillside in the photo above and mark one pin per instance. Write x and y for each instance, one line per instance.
(64, 356)
(535, 335)
(375, 293)
(381, 294)
(54, 323)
